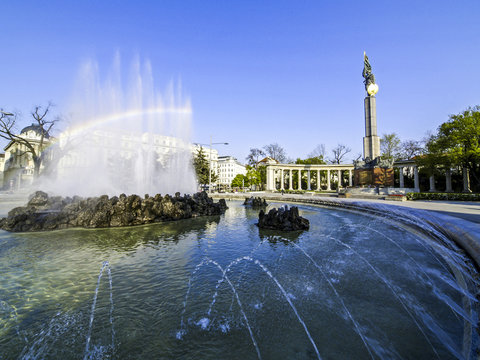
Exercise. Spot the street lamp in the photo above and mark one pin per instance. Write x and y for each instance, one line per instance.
(210, 161)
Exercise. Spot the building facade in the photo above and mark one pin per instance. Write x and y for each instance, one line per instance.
(18, 167)
(228, 168)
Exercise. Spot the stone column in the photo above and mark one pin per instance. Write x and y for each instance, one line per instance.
(432, 183)
(281, 180)
(415, 179)
(328, 181)
(290, 178)
(402, 180)
(339, 174)
(269, 179)
(466, 180)
(350, 182)
(299, 179)
(318, 181)
(448, 180)
(308, 181)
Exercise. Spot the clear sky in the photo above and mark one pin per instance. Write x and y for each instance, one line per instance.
(258, 72)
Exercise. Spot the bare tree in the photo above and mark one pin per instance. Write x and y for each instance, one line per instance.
(43, 126)
(318, 152)
(276, 152)
(339, 153)
(410, 149)
(254, 156)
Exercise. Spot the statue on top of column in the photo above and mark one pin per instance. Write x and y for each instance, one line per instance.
(370, 86)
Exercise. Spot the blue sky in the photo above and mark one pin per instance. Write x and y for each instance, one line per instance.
(258, 72)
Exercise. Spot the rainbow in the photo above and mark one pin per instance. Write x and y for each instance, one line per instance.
(93, 122)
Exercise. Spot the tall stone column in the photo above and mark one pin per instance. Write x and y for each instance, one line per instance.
(466, 180)
(432, 183)
(448, 181)
(290, 180)
(328, 181)
(282, 180)
(350, 182)
(371, 142)
(402, 180)
(416, 179)
(308, 181)
(318, 181)
(299, 179)
(339, 175)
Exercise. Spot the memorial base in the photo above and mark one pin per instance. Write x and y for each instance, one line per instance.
(376, 176)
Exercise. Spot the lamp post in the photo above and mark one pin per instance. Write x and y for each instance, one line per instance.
(210, 161)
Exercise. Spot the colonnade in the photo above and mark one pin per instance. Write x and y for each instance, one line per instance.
(323, 174)
(448, 178)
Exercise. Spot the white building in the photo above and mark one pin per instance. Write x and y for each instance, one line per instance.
(228, 168)
(17, 165)
(2, 165)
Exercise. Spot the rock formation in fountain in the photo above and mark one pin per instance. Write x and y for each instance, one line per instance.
(45, 212)
(255, 202)
(284, 219)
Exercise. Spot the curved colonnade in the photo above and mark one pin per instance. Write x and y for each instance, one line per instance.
(318, 177)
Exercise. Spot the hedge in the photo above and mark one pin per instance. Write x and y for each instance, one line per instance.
(444, 196)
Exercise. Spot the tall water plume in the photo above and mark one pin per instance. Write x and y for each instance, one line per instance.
(123, 137)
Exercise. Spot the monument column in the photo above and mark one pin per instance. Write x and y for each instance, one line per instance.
(318, 181)
(328, 181)
(402, 180)
(448, 181)
(339, 174)
(350, 183)
(290, 182)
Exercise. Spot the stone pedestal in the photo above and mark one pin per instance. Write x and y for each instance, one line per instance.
(374, 176)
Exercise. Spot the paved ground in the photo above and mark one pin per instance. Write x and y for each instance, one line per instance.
(461, 209)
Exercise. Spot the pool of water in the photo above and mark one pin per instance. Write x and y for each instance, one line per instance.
(352, 287)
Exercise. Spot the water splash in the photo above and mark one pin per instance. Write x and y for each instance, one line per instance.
(97, 350)
(182, 330)
(355, 324)
(135, 139)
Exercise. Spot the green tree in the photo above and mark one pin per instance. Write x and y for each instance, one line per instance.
(457, 143)
(240, 181)
(316, 160)
(253, 176)
(390, 146)
(201, 166)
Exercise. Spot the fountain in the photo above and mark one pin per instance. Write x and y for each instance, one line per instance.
(353, 286)
(123, 137)
(369, 283)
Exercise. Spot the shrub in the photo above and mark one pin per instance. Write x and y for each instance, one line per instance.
(444, 196)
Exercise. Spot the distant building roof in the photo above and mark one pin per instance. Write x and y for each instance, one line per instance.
(37, 128)
(268, 160)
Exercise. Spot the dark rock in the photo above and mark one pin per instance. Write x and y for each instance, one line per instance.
(282, 219)
(255, 202)
(48, 213)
